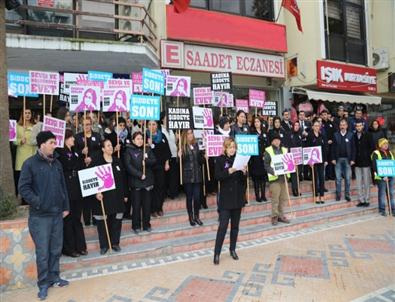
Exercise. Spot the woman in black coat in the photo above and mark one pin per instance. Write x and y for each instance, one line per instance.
(295, 141)
(113, 201)
(376, 132)
(141, 181)
(192, 160)
(159, 145)
(256, 163)
(278, 130)
(74, 243)
(240, 126)
(231, 198)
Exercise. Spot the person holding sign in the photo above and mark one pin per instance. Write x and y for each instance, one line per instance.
(113, 200)
(316, 163)
(295, 141)
(74, 244)
(278, 187)
(141, 181)
(385, 184)
(241, 126)
(160, 147)
(192, 160)
(256, 164)
(231, 198)
(43, 186)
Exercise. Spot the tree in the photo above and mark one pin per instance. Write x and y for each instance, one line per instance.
(6, 172)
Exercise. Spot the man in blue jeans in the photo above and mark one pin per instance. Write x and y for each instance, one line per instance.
(43, 186)
(343, 158)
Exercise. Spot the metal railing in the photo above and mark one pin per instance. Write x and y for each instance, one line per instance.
(88, 19)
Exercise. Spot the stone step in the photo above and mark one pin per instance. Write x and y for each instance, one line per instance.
(200, 240)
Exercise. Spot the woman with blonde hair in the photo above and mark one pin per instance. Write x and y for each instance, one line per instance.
(192, 160)
(231, 197)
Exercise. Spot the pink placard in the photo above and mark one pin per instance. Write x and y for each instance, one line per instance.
(85, 98)
(312, 155)
(214, 145)
(298, 155)
(57, 127)
(223, 99)
(178, 86)
(12, 130)
(242, 105)
(117, 99)
(257, 98)
(202, 96)
(137, 80)
(42, 82)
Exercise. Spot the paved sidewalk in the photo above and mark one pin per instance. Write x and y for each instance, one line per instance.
(343, 261)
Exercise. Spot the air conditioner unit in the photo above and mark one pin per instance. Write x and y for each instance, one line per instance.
(380, 58)
(128, 11)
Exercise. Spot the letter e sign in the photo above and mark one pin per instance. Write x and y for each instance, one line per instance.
(172, 54)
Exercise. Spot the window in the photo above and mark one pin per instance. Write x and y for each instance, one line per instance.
(261, 9)
(345, 31)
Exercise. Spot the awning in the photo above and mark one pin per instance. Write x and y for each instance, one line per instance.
(338, 97)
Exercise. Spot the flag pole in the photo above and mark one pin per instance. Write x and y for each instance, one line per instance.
(279, 11)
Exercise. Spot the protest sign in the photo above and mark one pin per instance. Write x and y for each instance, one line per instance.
(257, 98)
(178, 118)
(100, 76)
(202, 96)
(95, 180)
(298, 155)
(221, 81)
(203, 118)
(312, 155)
(214, 145)
(57, 127)
(385, 168)
(270, 108)
(242, 105)
(84, 98)
(223, 99)
(178, 86)
(145, 107)
(247, 144)
(201, 137)
(19, 84)
(42, 82)
(283, 164)
(116, 100)
(70, 79)
(153, 81)
(12, 130)
(119, 83)
(241, 161)
(137, 80)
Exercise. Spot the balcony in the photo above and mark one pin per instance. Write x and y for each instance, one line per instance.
(79, 35)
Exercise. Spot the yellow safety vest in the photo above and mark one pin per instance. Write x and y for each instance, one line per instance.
(271, 153)
(379, 157)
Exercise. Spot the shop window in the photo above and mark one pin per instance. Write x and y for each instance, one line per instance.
(345, 31)
(260, 9)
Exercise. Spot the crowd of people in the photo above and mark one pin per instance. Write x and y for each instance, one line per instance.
(145, 159)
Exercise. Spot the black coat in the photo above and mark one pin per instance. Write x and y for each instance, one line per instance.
(256, 163)
(350, 146)
(313, 141)
(284, 136)
(113, 200)
(232, 186)
(363, 150)
(192, 160)
(295, 140)
(161, 151)
(113, 138)
(133, 161)
(285, 126)
(71, 162)
(93, 144)
(235, 130)
(375, 135)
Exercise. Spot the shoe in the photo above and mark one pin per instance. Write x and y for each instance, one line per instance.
(191, 220)
(274, 220)
(322, 202)
(154, 215)
(360, 204)
(136, 231)
(147, 230)
(42, 293)
(318, 202)
(234, 255)
(84, 253)
(348, 198)
(87, 223)
(295, 193)
(116, 248)
(160, 213)
(366, 204)
(74, 255)
(283, 219)
(325, 190)
(216, 259)
(337, 198)
(383, 214)
(264, 199)
(258, 199)
(197, 220)
(60, 283)
(103, 251)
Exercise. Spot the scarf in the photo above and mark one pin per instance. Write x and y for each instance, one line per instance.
(157, 138)
(49, 158)
(223, 132)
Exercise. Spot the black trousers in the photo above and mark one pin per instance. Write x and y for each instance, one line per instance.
(73, 232)
(173, 179)
(319, 179)
(224, 216)
(128, 205)
(87, 209)
(114, 229)
(211, 185)
(259, 186)
(141, 200)
(158, 193)
(192, 192)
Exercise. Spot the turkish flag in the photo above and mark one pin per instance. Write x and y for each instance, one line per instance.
(181, 6)
(293, 8)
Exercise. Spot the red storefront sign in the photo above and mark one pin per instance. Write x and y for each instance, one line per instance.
(336, 76)
(214, 59)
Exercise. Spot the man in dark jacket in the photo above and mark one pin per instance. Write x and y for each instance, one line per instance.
(286, 122)
(43, 186)
(362, 164)
(343, 155)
